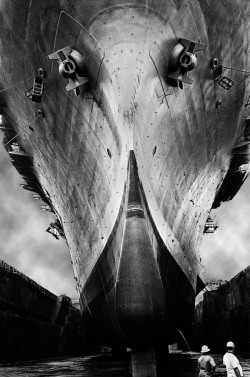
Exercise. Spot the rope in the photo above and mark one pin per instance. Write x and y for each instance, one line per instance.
(23, 130)
(99, 69)
(234, 69)
(82, 27)
(54, 44)
(13, 86)
(165, 95)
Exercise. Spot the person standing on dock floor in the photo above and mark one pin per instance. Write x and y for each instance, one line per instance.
(206, 363)
(231, 362)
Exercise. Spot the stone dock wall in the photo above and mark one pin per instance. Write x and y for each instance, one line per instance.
(223, 315)
(34, 323)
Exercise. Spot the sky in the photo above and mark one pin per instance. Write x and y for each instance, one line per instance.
(227, 251)
(26, 245)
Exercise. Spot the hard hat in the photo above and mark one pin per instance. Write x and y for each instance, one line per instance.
(230, 344)
(205, 349)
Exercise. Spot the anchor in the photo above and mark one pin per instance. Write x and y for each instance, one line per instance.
(72, 67)
(183, 59)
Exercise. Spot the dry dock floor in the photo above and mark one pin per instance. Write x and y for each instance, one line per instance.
(179, 365)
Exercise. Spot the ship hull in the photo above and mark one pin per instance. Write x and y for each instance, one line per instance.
(132, 164)
(118, 299)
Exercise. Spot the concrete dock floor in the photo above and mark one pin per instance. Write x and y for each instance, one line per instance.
(178, 365)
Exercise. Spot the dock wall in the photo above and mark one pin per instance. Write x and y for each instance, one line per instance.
(34, 323)
(223, 315)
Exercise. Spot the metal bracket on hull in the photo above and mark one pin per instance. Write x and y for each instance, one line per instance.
(35, 93)
(183, 59)
(56, 229)
(15, 149)
(224, 81)
(211, 225)
(71, 66)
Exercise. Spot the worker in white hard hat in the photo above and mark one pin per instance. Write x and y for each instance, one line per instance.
(206, 363)
(231, 362)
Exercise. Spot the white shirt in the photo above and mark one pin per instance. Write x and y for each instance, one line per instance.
(231, 362)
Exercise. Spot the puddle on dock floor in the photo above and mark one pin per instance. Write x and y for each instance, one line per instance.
(178, 365)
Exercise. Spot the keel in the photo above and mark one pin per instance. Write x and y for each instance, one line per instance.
(143, 362)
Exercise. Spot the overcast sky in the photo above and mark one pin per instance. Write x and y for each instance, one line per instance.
(24, 243)
(227, 251)
(26, 246)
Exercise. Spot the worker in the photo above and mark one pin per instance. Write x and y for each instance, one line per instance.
(231, 362)
(206, 363)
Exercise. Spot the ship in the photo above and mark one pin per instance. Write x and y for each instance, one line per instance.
(130, 120)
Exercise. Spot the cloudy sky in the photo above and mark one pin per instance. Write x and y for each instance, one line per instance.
(24, 243)
(227, 251)
(26, 246)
